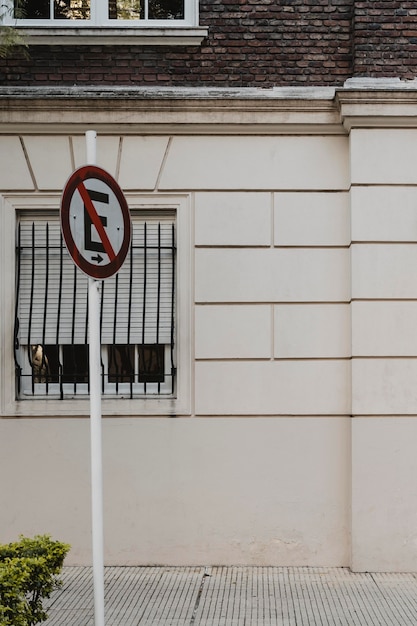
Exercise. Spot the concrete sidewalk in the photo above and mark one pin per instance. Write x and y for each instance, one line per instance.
(236, 596)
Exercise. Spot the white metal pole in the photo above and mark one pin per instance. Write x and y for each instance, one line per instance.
(95, 424)
(91, 146)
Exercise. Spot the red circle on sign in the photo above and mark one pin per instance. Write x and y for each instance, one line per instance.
(76, 183)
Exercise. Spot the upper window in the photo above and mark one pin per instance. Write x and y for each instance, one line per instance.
(116, 13)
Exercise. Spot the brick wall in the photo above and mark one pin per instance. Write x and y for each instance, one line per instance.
(251, 43)
(385, 39)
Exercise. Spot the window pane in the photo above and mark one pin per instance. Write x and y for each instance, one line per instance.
(45, 363)
(166, 9)
(72, 9)
(31, 9)
(75, 363)
(126, 10)
(121, 364)
(151, 363)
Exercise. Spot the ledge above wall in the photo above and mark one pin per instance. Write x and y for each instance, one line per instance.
(378, 103)
(154, 110)
(360, 103)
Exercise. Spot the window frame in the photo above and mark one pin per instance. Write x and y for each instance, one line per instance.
(101, 30)
(180, 404)
(99, 18)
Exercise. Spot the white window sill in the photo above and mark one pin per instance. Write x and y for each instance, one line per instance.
(143, 36)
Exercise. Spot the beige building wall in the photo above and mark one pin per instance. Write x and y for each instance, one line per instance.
(291, 441)
(384, 365)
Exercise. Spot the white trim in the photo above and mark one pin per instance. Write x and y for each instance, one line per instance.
(181, 403)
(109, 36)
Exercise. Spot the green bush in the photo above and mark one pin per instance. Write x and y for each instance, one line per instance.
(29, 571)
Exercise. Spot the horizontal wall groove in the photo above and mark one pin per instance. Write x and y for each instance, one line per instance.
(401, 357)
(273, 416)
(384, 243)
(268, 302)
(269, 359)
(383, 300)
(396, 185)
(274, 246)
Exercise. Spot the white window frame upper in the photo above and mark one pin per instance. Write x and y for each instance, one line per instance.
(180, 403)
(101, 30)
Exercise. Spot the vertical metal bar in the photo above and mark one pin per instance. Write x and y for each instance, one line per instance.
(58, 315)
(18, 369)
(101, 334)
(86, 329)
(158, 302)
(172, 306)
(129, 318)
(86, 318)
(145, 269)
(45, 305)
(116, 294)
(32, 288)
(74, 305)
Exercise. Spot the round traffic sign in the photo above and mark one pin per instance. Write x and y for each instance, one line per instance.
(95, 222)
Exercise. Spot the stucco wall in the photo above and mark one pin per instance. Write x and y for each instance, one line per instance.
(185, 490)
(294, 444)
(269, 483)
(384, 365)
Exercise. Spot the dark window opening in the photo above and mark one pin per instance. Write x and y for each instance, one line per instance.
(166, 9)
(41, 9)
(121, 366)
(75, 363)
(31, 9)
(151, 363)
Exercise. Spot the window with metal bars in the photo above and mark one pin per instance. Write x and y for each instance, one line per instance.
(137, 318)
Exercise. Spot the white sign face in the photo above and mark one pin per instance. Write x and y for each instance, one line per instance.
(95, 222)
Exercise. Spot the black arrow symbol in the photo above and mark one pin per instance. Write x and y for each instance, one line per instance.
(97, 258)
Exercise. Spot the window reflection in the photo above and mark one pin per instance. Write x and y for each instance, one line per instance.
(72, 9)
(166, 9)
(126, 10)
(31, 9)
(45, 363)
(117, 9)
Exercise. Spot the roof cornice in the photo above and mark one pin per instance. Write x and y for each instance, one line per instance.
(148, 110)
(377, 103)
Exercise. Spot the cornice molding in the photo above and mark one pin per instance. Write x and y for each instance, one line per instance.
(155, 110)
(377, 103)
(169, 110)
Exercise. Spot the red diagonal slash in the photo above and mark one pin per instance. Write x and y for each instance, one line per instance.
(96, 221)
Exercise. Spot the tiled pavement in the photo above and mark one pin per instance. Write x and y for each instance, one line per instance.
(237, 596)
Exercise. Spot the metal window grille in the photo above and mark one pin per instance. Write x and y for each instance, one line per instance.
(137, 317)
